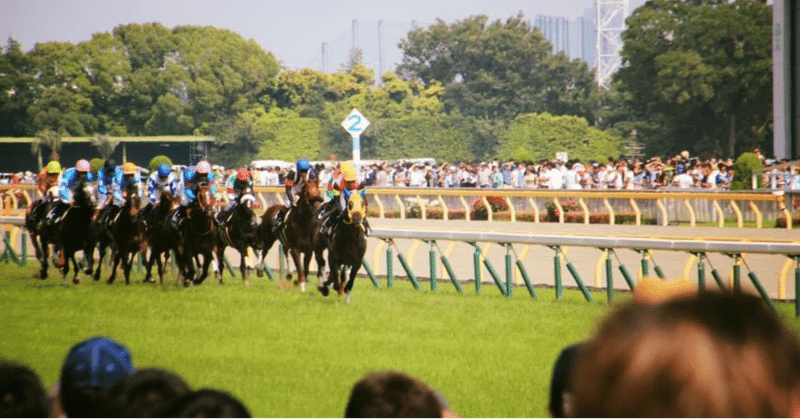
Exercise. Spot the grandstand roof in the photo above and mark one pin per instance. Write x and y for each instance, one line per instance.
(159, 139)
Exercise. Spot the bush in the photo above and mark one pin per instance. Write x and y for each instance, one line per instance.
(479, 212)
(157, 161)
(97, 164)
(743, 172)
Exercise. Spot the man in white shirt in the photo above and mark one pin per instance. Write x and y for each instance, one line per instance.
(555, 178)
(683, 180)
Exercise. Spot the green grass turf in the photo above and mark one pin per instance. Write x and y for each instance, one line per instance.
(289, 354)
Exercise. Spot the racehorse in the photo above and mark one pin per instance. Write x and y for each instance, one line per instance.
(104, 239)
(75, 232)
(346, 246)
(295, 233)
(35, 217)
(157, 233)
(240, 232)
(127, 232)
(199, 236)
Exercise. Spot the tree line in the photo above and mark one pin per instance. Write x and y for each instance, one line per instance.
(696, 76)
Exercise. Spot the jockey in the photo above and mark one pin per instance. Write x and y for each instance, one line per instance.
(345, 178)
(48, 180)
(160, 179)
(296, 178)
(122, 180)
(105, 179)
(71, 179)
(186, 187)
(235, 187)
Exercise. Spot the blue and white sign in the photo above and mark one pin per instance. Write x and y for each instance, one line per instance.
(355, 124)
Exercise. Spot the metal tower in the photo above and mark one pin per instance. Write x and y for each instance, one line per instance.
(610, 20)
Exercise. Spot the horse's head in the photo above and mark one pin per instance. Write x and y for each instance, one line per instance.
(132, 199)
(310, 191)
(356, 206)
(84, 195)
(205, 200)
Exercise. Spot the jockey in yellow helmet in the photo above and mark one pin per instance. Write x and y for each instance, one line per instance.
(343, 178)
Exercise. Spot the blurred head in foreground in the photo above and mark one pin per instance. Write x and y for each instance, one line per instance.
(693, 356)
(392, 394)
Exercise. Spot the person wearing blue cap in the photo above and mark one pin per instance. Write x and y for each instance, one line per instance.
(91, 368)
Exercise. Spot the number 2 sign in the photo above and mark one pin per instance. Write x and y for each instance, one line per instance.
(355, 123)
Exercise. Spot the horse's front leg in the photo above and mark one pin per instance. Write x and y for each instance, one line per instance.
(350, 282)
(88, 252)
(204, 272)
(117, 259)
(301, 278)
(75, 268)
(243, 264)
(220, 271)
(127, 264)
(101, 249)
(43, 261)
(65, 268)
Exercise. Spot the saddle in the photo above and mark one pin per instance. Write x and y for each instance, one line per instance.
(279, 219)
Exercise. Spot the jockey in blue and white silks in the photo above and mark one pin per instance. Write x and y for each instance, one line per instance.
(71, 179)
(105, 179)
(186, 187)
(125, 177)
(158, 181)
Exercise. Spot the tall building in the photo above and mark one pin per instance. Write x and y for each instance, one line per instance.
(556, 30)
(576, 38)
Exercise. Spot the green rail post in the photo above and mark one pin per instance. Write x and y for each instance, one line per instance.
(609, 280)
(527, 280)
(451, 274)
(268, 271)
(282, 261)
(701, 273)
(24, 239)
(645, 264)
(389, 268)
(476, 264)
(578, 280)
(432, 264)
(761, 291)
(370, 274)
(718, 279)
(557, 274)
(797, 286)
(509, 273)
(737, 271)
(627, 276)
(227, 264)
(659, 272)
(495, 276)
(408, 270)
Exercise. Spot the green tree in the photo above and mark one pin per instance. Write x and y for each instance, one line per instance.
(49, 139)
(702, 69)
(496, 69)
(541, 136)
(158, 161)
(16, 81)
(105, 146)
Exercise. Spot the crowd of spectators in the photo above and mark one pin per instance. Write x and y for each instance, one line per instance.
(680, 171)
(98, 379)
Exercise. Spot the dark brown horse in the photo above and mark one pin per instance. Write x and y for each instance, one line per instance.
(346, 246)
(35, 217)
(76, 232)
(295, 233)
(240, 231)
(199, 236)
(157, 233)
(128, 234)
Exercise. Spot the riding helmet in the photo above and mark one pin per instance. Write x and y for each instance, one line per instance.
(349, 171)
(189, 174)
(54, 167)
(83, 165)
(164, 170)
(303, 164)
(243, 174)
(203, 167)
(129, 168)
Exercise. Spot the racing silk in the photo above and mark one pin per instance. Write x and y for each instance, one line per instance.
(293, 184)
(104, 184)
(69, 183)
(187, 189)
(45, 182)
(234, 188)
(120, 183)
(155, 185)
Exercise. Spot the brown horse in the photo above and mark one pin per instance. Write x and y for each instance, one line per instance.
(346, 246)
(128, 234)
(296, 229)
(240, 231)
(35, 217)
(199, 236)
(157, 232)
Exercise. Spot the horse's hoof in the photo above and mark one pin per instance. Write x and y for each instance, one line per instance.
(149, 281)
(323, 290)
(76, 281)
(188, 283)
(303, 286)
(259, 273)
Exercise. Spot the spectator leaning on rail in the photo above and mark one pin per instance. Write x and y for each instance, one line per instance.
(71, 180)
(159, 181)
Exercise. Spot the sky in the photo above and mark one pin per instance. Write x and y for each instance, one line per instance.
(294, 31)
